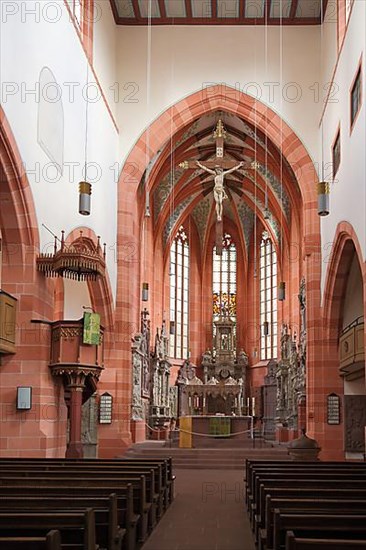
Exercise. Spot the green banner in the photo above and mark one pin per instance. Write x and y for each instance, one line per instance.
(91, 334)
(220, 426)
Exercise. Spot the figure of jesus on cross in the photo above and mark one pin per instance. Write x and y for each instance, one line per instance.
(219, 190)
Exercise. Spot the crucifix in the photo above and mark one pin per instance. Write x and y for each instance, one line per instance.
(219, 168)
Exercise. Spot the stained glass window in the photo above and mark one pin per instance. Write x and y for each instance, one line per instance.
(224, 281)
(268, 298)
(179, 295)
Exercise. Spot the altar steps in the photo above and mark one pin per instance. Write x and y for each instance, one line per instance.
(206, 459)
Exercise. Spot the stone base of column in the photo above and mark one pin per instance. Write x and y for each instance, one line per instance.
(138, 431)
(75, 450)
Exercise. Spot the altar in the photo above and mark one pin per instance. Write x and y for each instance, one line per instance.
(200, 431)
(221, 389)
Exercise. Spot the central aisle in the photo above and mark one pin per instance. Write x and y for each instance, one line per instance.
(208, 513)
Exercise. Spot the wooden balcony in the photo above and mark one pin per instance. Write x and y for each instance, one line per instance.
(352, 350)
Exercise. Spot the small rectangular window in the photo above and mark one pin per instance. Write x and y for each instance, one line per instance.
(356, 96)
(336, 153)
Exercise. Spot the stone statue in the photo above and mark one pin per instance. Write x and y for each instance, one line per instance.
(207, 358)
(243, 358)
(219, 191)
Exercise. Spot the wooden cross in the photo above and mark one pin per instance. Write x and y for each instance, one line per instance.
(219, 136)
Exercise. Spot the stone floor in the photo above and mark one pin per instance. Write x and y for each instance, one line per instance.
(208, 513)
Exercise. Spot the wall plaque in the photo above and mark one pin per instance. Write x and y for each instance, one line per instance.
(333, 409)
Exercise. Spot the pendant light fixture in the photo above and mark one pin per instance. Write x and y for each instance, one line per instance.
(145, 292)
(323, 187)
(145, 284)
(85, 188)
(281, 293)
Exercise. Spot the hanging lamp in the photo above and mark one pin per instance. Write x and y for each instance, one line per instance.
(85, 188)
(145, 292)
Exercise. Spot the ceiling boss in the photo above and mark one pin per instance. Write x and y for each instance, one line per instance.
(219, 167)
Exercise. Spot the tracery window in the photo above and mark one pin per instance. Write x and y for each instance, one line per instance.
(179, 295)
(224, 281)
(268, 298)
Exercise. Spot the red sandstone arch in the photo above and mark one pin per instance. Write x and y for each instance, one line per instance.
(100, 291)
(153, 139)
(248, 108)
(345, 244)
(172, 121)
(18, 214)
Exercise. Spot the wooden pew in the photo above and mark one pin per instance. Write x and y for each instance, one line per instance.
(128, 503)
(317, 526)
(309, 492)
(114, 484)
(108, 533)
(327, 474)
(305, 506)
(151, 498)
(163, 469)
(253, 467)
(52, 541)
(299, 543)
(316, 480)
(76, 528)
(332, 489)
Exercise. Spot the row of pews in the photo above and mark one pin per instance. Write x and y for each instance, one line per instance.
(306, 505)
(76, 504)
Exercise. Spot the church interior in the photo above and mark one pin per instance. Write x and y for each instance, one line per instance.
(182, 256)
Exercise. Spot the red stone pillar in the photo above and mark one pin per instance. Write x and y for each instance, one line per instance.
(75, 446)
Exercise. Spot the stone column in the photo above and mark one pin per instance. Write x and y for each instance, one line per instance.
(75, 446)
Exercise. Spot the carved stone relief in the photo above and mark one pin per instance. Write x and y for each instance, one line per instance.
(354, 423)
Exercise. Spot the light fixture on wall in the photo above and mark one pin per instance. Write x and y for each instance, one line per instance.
(145, 292)
(323, 198)
(24, 398)
(282, 291)
(265, 328)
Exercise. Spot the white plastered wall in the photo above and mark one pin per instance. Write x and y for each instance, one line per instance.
(348, 191)
(31, 39)
(185, 59)
(104, 52)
